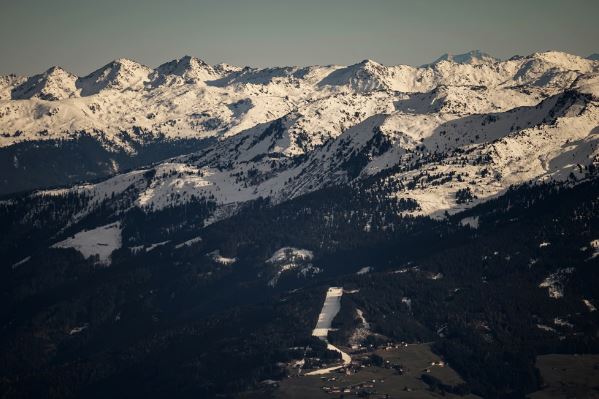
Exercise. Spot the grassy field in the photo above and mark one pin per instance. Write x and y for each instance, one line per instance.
(415, 360)
(568, 376)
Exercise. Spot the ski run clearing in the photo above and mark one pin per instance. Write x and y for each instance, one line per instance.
(330, 308)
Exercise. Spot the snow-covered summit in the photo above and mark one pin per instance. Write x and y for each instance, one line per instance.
(564, 61)
(367, 75)
(473, 57)
(119, 74)
(191, 69)
(52, 85)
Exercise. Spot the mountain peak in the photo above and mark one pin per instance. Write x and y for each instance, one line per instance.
(56, 69)
(472, 57)
(126, 62)
(52, 85)
(368, 61)
(193, 60)
(563, 60)
(188, 67)
(364, 76)
(119, 74)
(368, 64)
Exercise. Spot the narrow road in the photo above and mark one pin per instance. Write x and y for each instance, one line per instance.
(346, 358)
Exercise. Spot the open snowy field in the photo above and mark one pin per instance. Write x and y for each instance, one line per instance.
(101, 241)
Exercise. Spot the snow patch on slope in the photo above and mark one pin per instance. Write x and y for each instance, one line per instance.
(555, 282)
(101, 242)
(289, 258)
(471, 221)
(218, 258)
(361, 332)
(188, 243)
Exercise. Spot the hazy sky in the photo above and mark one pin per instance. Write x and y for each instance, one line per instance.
(82, 35)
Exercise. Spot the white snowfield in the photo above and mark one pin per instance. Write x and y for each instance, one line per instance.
(466, 121)
(101, 241)
(330, 308)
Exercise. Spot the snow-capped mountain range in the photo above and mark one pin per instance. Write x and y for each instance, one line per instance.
(189, 98)
(447, 135)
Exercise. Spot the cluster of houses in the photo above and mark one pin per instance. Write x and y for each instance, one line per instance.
(387, 346)
(439, 363)
(363, 357)
(360, 389)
